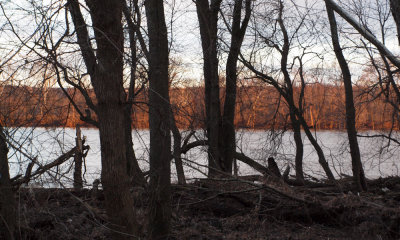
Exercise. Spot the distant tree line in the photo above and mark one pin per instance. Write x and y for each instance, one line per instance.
(258, 107)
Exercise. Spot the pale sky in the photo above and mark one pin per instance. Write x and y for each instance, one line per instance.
(186, 44)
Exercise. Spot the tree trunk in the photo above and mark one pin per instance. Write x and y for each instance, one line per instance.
(228, 118)
(395, 8)
(159, 116)
(114, 176)
(208, 21)
(78, 183)
(177, 151)
(289, 96)
(358, 172)
(7, 201)
(321, 157)
(106, 72)
(299, 147)
(287, 92)
(133, 168)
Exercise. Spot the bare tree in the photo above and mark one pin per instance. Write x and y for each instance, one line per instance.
(385, 63)
(105, 68)
(366, 33)
(221, 128)
(380, 77)
(177, 136)
(134, 23)
(238, 31)
(159, 122)
(284, 84)
(207, 12)
(358, 171)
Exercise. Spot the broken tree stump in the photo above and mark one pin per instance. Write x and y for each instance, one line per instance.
(78, 183)
(273, 167)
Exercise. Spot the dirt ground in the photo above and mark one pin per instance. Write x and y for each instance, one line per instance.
(226, 209)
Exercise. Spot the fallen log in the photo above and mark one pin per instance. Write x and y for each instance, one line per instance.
(260, 168)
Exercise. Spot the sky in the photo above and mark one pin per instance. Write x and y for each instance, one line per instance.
(186, 46)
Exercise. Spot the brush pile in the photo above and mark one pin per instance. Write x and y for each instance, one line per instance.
(228, 209)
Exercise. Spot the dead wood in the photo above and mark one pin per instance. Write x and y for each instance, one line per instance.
(258, 167)
(16, 182)
(229, 209)
(273, 167)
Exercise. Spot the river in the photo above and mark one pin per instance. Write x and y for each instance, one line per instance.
(47, 144)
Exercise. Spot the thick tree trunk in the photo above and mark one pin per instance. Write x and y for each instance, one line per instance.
(358, 172)
(106, 70)
(7, 201)
(159, 116)
(114, 176)
(208, 21)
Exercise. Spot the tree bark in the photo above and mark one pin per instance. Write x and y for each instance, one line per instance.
(7, 201)
(208, 22)
(159, 116)
(114, 176)
(106, 72)
(358, 172)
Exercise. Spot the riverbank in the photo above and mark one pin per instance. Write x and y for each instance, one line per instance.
(227, 209)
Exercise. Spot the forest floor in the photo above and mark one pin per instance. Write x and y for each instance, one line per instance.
(227, 209)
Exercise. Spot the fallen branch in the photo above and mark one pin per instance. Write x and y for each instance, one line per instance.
(243, 158)
(364, 32)
(187, 146)
(44, 168)
(239, 156)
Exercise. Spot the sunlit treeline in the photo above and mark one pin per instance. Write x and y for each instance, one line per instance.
(258, 107)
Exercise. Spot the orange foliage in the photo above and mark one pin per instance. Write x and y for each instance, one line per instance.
(258, 107)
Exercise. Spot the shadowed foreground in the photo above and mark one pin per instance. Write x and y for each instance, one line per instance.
(227, 209)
